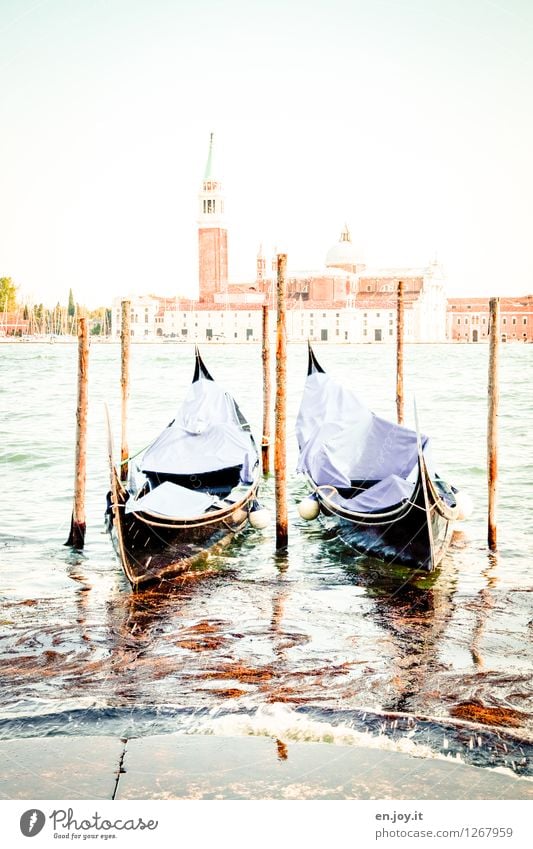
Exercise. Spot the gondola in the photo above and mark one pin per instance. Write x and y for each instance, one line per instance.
(189, 491)
(374, 478)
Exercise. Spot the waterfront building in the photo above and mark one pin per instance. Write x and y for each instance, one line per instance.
(468, 319)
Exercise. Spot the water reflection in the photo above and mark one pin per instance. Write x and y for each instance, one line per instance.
(484, 604)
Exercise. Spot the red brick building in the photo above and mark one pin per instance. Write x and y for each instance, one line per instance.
(468, 319)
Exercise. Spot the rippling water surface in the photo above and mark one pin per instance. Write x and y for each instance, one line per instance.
(314, 644)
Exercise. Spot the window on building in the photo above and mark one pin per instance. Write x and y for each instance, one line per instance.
(365, 332)
(468, 306)
(377, 315)
(184, 331)
(484, 320)
(391, 331)
(504, 320)
(369, 288)
(235, 335)
(458, 321)
(146, 318)
(514, 319)
(524, 320)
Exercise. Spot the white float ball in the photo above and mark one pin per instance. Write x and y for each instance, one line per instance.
(309, 509)
(464, 505)
(259, 519)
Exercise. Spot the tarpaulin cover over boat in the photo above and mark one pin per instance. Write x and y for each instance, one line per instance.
(205, 436)
(190, 491)
(341, 441)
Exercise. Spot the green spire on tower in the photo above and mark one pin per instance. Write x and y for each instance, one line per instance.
(209, 166)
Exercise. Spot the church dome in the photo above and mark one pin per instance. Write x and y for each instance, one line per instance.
(343, 254)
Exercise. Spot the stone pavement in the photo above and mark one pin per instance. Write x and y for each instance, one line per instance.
(208, 767)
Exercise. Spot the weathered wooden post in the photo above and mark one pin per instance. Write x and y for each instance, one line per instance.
(76, 537)
(125, 338)
(280, 451)
(399, 352)
(492, 419)
(265, 442)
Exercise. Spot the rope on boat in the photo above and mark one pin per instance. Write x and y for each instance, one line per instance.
(132, 456)
(334, 490)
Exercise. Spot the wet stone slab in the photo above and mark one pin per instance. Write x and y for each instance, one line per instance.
(187, 767)
(59, 767)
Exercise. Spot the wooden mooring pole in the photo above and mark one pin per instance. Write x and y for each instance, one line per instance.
(492, 419)
(265, 442)
(76, 537)
(125, 338)
(280, 450)
(399, 353)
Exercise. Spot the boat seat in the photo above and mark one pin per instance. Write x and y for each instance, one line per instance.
(219, 482)
(355, 488)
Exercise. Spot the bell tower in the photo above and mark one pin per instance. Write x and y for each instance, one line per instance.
(212, 235)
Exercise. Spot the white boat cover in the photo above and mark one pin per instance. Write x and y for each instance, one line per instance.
(169, 499)
(205, 436)
(341, 441)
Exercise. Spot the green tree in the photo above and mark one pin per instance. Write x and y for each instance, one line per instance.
(8, 295)
(71, 304)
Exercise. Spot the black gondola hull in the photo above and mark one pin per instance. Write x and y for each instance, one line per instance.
(410, 534)
(152, 548)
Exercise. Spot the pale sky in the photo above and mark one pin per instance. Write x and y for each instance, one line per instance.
(411, 120)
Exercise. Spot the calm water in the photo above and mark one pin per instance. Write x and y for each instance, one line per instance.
(317, 644)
